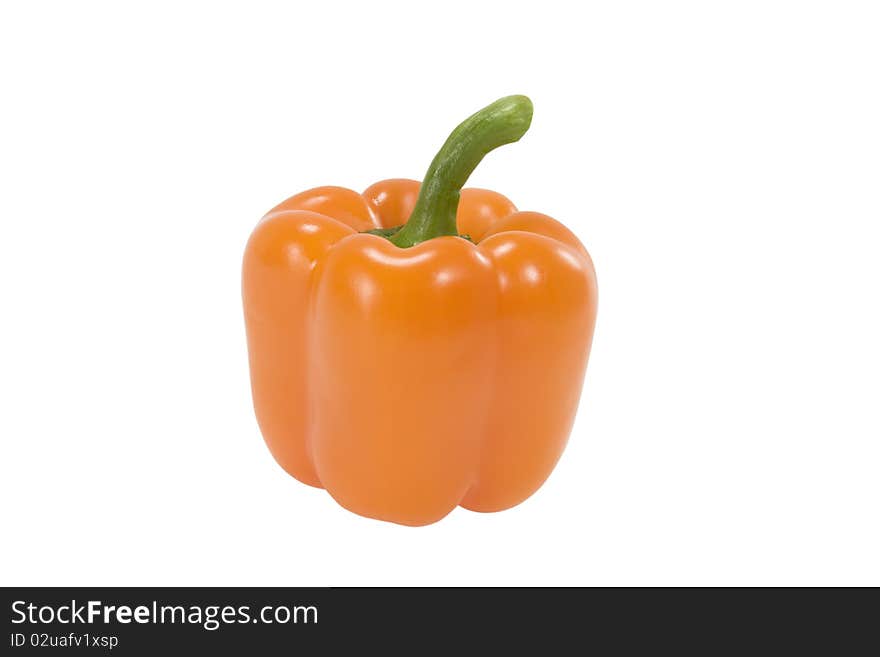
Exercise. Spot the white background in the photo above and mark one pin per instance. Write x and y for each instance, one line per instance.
(720, 161)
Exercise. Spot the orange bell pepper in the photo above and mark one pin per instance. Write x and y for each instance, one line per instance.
(412, 369)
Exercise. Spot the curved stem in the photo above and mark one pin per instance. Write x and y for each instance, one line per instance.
(384, 232)
(503, 122)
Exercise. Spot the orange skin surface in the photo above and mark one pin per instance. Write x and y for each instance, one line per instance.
(410, 381)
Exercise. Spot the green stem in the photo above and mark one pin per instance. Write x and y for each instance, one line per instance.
(384, 232)
(503, 122)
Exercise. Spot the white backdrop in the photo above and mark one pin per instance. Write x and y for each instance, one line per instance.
(719, 160)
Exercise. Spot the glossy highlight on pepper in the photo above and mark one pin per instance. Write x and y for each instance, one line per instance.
(419, 346)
